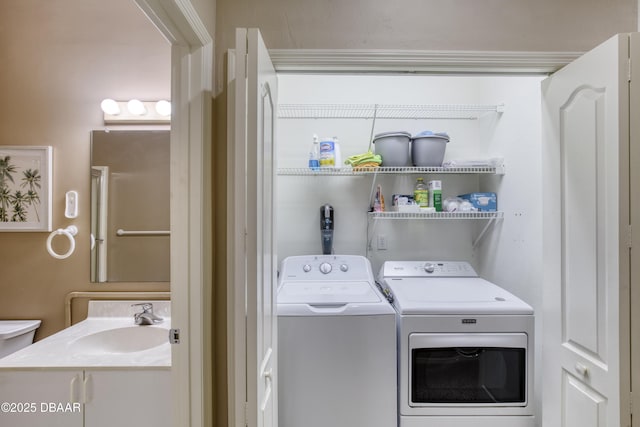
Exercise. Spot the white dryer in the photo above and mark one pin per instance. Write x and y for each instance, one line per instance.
(465, 347)
(336, 345)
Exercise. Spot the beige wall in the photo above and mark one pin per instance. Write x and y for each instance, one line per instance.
(59, 59)
(514, 25)
(539, 25)
(207, 12)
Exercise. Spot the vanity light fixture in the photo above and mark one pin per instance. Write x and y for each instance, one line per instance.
(136, 112)
(163, 107)
(136, 107)
(109, 106)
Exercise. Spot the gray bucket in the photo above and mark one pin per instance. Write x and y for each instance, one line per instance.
(393, 147)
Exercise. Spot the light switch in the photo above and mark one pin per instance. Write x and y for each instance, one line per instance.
(71, 204)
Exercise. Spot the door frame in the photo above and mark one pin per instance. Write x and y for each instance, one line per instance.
(192, 52)
(343, 61)
(634, 237)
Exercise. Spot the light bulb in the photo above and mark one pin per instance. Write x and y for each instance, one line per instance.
(109, 106)
(136, 107)
(163, 108)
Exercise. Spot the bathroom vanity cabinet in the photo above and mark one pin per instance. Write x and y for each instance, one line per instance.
(85, 397)
(127, 397)
(25, 391)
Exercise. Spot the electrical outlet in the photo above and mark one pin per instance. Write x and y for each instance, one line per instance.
(382, 242)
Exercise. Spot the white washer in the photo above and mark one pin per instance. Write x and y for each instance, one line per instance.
(336, 345)
(465, 347)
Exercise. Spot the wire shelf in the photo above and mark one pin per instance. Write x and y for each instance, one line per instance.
(386, 170)
(436, 215)
(386, 111)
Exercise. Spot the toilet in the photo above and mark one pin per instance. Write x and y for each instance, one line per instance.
(16, 334)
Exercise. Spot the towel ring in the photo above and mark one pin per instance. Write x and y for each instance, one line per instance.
(69, 232)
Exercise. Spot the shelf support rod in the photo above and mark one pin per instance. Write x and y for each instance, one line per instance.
(373, 124)
(370, 234)
(483, 232)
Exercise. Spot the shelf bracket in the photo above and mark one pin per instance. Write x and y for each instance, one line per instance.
(370, 234)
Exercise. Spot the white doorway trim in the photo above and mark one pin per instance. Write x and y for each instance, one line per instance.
(418, 61)
(191, 233)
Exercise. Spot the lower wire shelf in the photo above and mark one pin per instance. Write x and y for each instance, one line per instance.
(436, 215)
(491, 218)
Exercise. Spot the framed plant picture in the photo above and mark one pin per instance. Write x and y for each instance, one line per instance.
(25, 188)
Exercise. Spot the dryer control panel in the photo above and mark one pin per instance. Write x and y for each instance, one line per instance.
(426, 269)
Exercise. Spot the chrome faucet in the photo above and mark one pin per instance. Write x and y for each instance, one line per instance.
(146, 317)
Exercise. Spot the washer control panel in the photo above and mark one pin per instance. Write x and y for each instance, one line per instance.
(326, 267)
(427, 269)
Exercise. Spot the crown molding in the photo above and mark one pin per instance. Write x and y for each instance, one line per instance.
(412, 61)
(177, 20)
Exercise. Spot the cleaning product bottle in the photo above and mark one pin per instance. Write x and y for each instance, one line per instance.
(421, 193)
(338, 152)
(435, 195)
(378, 200)
(314, 161)
(327, 153)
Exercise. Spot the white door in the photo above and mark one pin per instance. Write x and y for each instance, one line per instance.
(585, 157)
(254, 175)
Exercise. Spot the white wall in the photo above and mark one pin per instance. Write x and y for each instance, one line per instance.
(514, 135)
(510, 253)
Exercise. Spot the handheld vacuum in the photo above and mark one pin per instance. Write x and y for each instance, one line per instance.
(326, 228)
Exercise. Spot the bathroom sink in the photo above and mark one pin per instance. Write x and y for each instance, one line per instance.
(121, 340)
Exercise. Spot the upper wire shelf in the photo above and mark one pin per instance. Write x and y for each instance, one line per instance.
(386, 111)
(388, 170)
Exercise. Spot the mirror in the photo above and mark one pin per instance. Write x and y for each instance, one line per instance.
(130, 206)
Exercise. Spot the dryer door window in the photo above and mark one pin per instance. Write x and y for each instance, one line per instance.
(464, 371)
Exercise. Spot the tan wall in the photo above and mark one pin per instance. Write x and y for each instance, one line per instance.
(538, 25)
(59, 60)
(521, 25)
(207, 12)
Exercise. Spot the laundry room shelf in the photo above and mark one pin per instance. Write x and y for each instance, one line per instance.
(391, 170)
(490, 217)
(386, 111)
(436, 215)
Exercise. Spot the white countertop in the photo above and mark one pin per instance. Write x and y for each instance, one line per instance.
(60, 350)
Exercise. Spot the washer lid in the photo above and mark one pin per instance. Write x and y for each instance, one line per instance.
(453, 296)
(327, 293)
